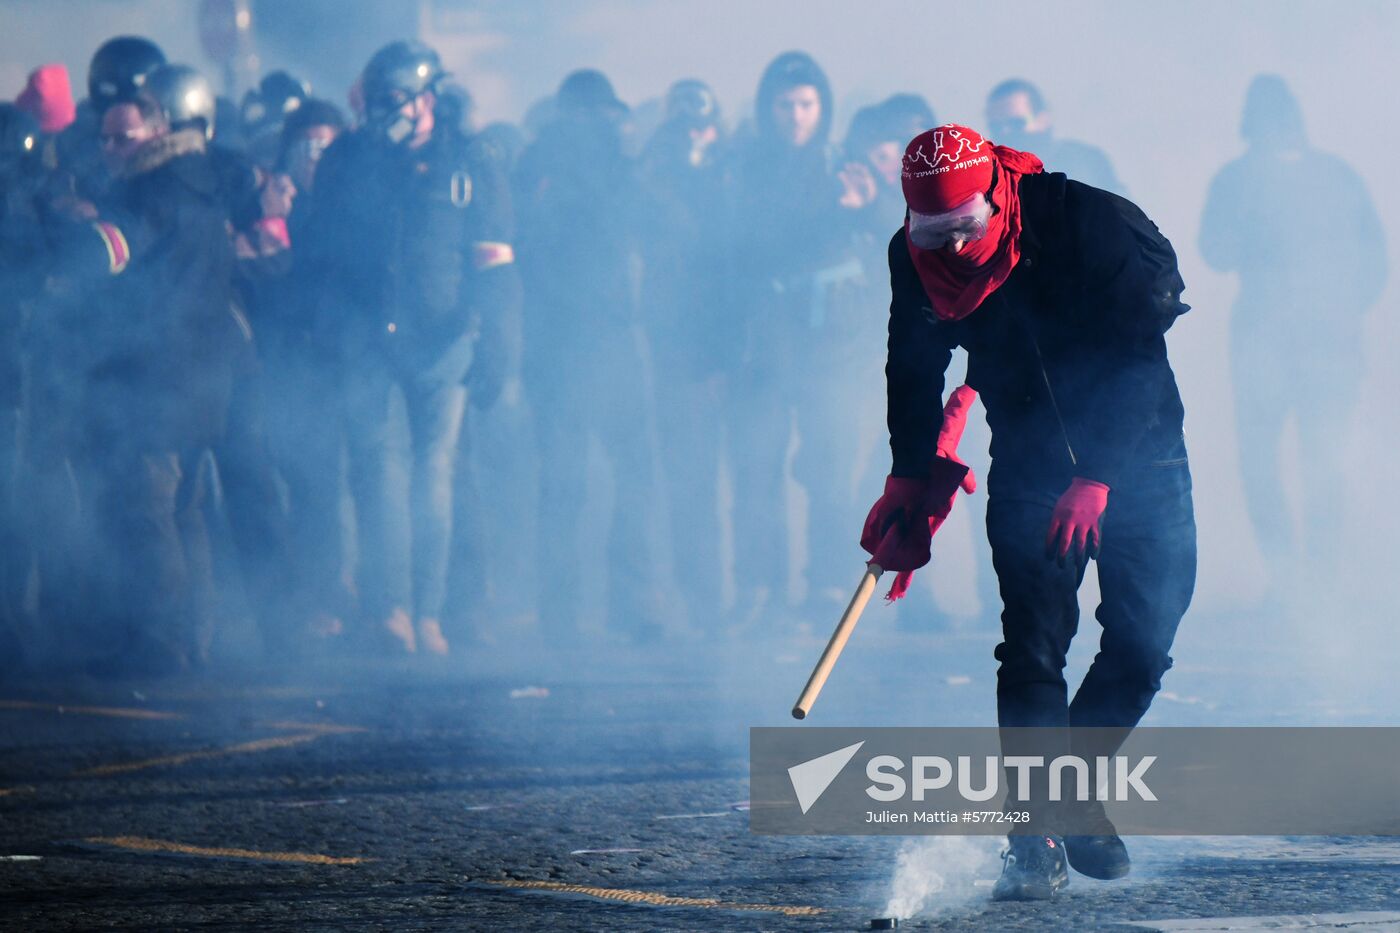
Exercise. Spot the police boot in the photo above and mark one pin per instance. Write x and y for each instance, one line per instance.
(1099, 853)
(1033, 869)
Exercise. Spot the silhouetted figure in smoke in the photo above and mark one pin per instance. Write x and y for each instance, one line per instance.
(57, 301)
(299, 370)
(251, 500)
(1018, 116)
(21, 284)
(793, 220)
(584, 369)
(492, 530)
(43, 324)
(690, 327)
(1298, 227)
(419, 311)
(157, 389)
(876, 138)
(28, 128)
(263, 111)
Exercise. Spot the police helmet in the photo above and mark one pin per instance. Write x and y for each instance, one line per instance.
(397, 73)
(119, 69)
(186, 96)
(277, 95)
(692, 102)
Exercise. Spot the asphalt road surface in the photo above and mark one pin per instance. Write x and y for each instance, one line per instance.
(531, 787)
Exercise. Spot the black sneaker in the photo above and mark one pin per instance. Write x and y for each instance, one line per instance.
(1096, 851)
(1033, 869)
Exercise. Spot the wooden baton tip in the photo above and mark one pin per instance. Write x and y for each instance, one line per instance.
(838, 641)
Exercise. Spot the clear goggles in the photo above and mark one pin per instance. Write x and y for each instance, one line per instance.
(966, 222)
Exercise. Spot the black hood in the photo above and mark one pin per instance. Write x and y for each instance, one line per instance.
(789, 70)
(1272, 118)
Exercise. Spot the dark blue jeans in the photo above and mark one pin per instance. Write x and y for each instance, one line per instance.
(1147, 571)
(402, 486)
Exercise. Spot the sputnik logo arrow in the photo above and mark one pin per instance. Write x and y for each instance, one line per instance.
(811, 778)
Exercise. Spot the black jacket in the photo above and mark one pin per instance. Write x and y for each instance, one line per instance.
(578, 237)
(1069, 354)
(393, 237)
(21, 272)
(686, 259)
(164, 333)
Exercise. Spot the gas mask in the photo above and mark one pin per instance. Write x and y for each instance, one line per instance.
(386, 117)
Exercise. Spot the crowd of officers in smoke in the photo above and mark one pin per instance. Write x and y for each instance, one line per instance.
(222, 324)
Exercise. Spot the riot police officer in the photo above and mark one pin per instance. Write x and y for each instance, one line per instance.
(412, 225)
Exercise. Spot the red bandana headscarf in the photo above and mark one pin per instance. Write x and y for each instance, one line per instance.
(943, 167)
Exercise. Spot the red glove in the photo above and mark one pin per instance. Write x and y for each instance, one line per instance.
(1075, 522)
(899, 530)
(954, 420)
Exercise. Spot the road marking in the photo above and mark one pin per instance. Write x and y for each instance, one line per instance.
(604, 851)
(113, 711)
(1363, 922)
(652, 898)
(320, 728)
(138, 844)
(215, 695)
(308, 732)
(12, 791)
(259, 745)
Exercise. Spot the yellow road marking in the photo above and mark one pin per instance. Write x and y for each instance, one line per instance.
(11, 791)
(320, 728)
(250, 693)
(305, 732)
(654, 899)
(114, 711)
(138, 844)
(260, 745)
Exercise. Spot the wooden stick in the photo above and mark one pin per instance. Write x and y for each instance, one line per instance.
(844, 628)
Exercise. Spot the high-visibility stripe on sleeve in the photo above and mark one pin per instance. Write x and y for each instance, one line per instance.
(275, 229)
(118, 253)
(488, 255)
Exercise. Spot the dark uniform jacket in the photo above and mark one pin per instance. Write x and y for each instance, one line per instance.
(163, 334)
(412, 250)
(1069, 354)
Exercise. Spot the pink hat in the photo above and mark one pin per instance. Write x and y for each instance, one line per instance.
(48, 98)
